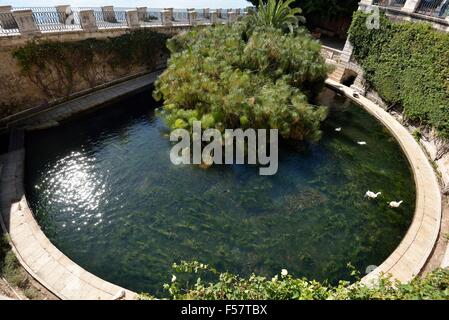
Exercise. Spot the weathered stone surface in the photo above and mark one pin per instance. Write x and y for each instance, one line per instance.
(25, 22)
(412, 253)
(192, 16)
(87, 20)
(132, 19)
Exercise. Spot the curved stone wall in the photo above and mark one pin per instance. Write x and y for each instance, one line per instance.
(35, 252)
(67, 280)
(415, 248)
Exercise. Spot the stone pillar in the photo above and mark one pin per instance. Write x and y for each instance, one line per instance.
(359, 84)
(410, 6)
(166, 18)
(237, 12)
(87, 20)
(206, 13)
(192, 17)
(63, 12)
(347, 52)
(231, 16)
(108, 14)
(170, 10)
(25, 22)
(132, 19)
(6, 19)
(345, 58)
(142, 13)
(218, 13)
(213, 17)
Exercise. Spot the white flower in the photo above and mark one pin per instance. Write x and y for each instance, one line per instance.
(275, 278)
(284, 272)
(173, 278)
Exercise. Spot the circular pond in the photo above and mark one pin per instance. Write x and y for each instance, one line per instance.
(106, 194)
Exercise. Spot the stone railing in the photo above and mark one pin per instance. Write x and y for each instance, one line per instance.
(32, 21)
(433, 8)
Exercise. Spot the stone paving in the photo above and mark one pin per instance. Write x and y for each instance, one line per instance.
(412, 253)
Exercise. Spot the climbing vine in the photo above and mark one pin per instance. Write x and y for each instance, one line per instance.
(58, 68)
(408, 65)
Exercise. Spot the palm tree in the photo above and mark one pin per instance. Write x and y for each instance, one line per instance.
(277, 14)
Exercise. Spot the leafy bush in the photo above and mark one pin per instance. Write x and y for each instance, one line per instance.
(240, 76)
(407, 64)
(228, 286)
(278, 14)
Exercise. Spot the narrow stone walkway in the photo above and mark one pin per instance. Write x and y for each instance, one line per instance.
(409, 258)
(34, 251)
(51, 117)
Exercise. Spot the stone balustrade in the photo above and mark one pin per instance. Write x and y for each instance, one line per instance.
(64, 18)
(434, 9)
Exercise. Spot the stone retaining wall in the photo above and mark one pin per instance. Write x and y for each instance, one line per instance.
(409, 258)
(18, 93)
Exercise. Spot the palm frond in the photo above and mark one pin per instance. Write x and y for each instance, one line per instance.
(277, 14)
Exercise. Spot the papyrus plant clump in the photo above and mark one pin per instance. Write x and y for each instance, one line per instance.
(244, 76)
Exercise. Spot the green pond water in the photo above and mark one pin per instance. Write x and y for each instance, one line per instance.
(105, 192)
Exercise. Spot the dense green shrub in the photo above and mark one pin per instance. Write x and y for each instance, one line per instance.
(408, 65)
(55, 66)
(240, 76)
(285, 287)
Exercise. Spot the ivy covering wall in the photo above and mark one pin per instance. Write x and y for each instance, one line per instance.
(61, 68)
(408, 65)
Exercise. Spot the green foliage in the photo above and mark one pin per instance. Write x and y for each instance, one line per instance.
(323, 8)
(9, 265)
(417, 134)
(277, 14)
(407, 64)
(55, 66)
(228, 286)
(240, 76)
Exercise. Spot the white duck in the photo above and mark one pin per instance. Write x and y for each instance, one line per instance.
(119, 295)
(372, 195)
(395, 204)
(362, 143)
(338, 129)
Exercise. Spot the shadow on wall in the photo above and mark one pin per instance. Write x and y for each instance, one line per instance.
(11, 184)
(57, 67)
